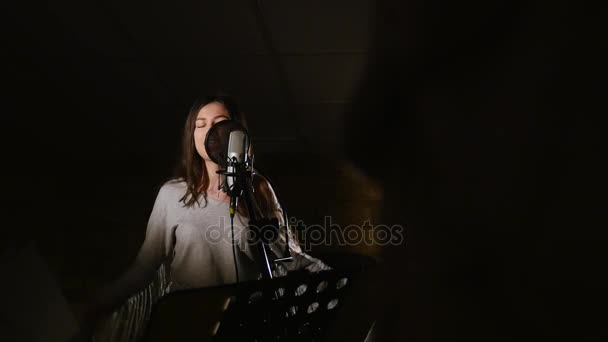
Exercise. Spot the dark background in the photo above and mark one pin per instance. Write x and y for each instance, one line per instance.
(473, 124)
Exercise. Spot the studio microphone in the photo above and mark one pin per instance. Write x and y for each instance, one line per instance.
(227, 144)
(237, 147)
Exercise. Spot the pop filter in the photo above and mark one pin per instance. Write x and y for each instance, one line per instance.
(218, 139)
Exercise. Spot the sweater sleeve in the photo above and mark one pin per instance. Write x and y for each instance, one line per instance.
(301, 260)
(160, 233)
(157, 245)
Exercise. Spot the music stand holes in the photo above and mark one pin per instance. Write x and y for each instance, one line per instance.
(312, 307)
(280, 292)
(341, 283)
(255, 297)
(322, 286)
(301, 289)
(292, 311)
(332, 304)
(216, 327)
(227, 302)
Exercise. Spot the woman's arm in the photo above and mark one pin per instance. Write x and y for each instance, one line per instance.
(156, 247)
(301, 260)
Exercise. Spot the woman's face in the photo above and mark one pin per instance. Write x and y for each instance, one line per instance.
(207, 116)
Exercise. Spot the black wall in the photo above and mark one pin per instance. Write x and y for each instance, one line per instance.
(485, 137)
(480, 119)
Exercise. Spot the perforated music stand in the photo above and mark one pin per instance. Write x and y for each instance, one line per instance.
(298, 307)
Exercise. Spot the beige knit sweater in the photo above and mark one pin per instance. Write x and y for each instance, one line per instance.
(195, 242)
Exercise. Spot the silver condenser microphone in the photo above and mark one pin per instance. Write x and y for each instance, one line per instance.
(237, 147)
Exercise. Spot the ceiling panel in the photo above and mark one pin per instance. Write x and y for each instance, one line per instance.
(90, 24)
(251, 79)
(319, 26)
(273, 128)
(322, 127)
(193, 28)
(324, 78)
(269, 120)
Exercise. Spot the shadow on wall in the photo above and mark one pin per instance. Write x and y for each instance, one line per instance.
(484, 148)
(333, 206)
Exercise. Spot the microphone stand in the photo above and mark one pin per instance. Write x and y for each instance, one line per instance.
(243, 186)
(261, 243)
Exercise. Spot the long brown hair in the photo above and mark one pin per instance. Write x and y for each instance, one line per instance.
(192, 170)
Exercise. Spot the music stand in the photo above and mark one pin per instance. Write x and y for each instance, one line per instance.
(298, 307)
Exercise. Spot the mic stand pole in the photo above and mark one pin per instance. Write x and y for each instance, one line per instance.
(244, 187)
(260, 242)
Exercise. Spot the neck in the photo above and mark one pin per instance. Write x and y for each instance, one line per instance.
(212, 174)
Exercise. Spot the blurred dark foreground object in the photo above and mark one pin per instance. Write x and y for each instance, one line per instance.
(298, 307)
(33, 306)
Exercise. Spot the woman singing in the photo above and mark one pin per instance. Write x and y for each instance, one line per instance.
(188, 235)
